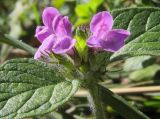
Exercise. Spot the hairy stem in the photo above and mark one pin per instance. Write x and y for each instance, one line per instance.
(17, 43)
(95, 102)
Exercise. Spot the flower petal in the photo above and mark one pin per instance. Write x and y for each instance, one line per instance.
(93, 42)
(61, 26)
(42, 32)
(46, 47)
(48, 15)
(102, 20)
(115, 40)
(64, 45)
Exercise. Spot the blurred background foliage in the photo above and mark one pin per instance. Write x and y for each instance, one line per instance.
(19, 18)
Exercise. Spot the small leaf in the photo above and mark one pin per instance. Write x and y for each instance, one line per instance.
(29, 88)
(85, 11)
(135, 63)
(85, 8)
(4, 52)
(81, 45)
(146, 73)
(58, 3)
(36, 14)
(144, 25)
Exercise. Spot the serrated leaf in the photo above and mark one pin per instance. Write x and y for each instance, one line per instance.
(29, 88)
(144, 25)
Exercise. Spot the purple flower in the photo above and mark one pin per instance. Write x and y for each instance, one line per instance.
(103, 36)
(55, 35)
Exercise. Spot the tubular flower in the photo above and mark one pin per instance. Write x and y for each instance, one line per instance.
(103, 36)
(55, 35)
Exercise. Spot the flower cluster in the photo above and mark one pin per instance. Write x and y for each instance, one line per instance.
(56, 34)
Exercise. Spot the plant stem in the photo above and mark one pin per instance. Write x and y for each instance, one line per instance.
(17, 43)
(95, 102)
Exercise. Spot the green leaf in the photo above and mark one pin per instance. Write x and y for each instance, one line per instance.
(95, 4)
(58, 3)
(144, 25)
(135, 63)
(84, 16)
(81, 45)
(120, 105)
(85, 8)
(29, 87)
(82, 21)
(146, 73)
(5, 50)
(99, 61)
(85, 11)
(154, 103)
(36, 13)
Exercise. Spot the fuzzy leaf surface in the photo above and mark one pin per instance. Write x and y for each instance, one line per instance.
(29, 87)
(144, 25)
